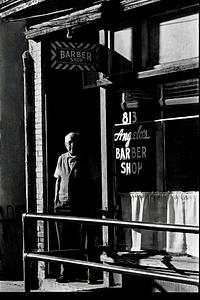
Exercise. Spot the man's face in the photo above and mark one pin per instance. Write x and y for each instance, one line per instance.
(73, 146)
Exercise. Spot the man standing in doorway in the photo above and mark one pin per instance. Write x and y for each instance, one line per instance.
(74, 195)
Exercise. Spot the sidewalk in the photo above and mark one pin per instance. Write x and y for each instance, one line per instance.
(11, 286)
(50, 285)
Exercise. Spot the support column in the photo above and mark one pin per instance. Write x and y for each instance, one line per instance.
(104, 39)
(104, 150)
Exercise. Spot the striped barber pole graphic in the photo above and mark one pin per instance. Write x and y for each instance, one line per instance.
(76, 56)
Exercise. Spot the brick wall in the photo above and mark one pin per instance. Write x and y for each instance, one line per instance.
(35, 52)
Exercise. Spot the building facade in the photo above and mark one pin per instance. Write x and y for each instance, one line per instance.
(125, 75)
(12, 176)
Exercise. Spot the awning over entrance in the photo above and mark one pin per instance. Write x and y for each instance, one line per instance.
(44, 16)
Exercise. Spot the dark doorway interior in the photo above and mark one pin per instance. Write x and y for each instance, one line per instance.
(69, 108)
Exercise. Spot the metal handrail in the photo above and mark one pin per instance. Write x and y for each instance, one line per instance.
(104, 267)
(115, 222)
(114, 268)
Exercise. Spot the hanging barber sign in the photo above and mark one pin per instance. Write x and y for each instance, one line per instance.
(76, 56)
(134, 153)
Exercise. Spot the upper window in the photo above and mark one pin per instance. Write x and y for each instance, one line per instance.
(178, 39)
(123, 43)
(172, 39)
(123, 50)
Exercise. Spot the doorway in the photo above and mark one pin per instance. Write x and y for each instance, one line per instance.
(69, 107)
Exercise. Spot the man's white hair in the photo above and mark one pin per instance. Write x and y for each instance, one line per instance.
(72, 135)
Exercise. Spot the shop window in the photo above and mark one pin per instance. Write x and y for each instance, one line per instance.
(160, 183)
(171, 39)
(134, 141)
(181, 133)
(181, 152)
(170, 148)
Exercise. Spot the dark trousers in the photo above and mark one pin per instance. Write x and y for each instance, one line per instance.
(76, 236)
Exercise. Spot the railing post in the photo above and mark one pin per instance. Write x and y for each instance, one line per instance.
(29, 267)
(27, 272)
(26, 266)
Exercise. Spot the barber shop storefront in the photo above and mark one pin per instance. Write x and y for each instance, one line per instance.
(129, 84)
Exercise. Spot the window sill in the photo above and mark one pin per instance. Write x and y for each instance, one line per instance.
(174, 67)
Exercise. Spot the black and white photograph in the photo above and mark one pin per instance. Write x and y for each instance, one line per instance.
(99, 147)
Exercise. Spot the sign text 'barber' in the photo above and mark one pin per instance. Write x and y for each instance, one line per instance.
(75, 56)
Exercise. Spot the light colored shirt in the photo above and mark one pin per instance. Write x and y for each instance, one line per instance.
(63, 170)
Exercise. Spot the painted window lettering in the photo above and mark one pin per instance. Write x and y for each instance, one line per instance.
(132, 149)
(126, 155)
(128, 168)
(131, 153)
(129, 117)
(139, 134)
